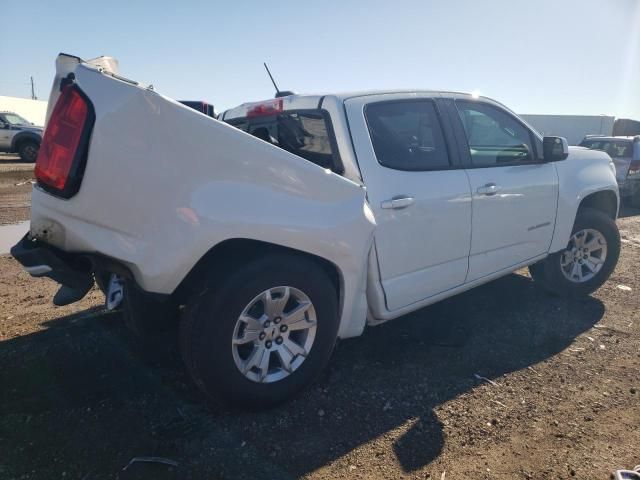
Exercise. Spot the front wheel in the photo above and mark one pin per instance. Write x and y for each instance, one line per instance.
(29, 152)
(587, 262)
(263, 334)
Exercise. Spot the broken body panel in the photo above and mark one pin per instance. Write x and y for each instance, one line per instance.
(201, 182)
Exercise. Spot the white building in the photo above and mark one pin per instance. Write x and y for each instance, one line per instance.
(33, 110)
(572, 127)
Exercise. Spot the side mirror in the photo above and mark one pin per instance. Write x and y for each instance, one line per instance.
(555, 148)
(3, 125)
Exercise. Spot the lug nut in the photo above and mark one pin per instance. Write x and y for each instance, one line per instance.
(266, 324)
(279, 340)
(262, 335)
(283, 328)
(268, 344)
(277, 320)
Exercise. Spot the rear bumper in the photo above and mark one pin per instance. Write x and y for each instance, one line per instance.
(40, 259)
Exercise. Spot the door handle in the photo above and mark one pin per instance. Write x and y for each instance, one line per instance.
(488, 189)
(397, 203)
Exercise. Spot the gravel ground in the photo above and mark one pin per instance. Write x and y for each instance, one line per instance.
(15, 189)
(81, 397)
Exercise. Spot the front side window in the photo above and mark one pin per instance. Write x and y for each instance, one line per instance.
(13, 119)
(303, 133)
(494, 137)
(406, 135)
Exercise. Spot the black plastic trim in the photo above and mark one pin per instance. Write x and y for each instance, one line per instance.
(66, 269)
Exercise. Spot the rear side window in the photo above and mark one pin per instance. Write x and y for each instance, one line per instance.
(306, 133)
(615, 149)
(495, 138)
(406, 135)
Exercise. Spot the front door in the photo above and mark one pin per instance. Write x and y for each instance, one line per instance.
(419, 195)
(514, 193)
(5, 134)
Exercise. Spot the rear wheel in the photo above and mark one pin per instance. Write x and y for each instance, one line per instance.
(264, 334)
(145, 314)
(29, 151)
(587, 262)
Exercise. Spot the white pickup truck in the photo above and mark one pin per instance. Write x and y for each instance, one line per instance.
(283, 225)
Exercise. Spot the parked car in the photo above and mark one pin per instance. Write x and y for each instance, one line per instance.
(300, 220)
(625, 152)
(18, 135)
(200, 106)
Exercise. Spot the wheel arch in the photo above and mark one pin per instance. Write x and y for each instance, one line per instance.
(605, 201)
(231, 254)
(19, 139)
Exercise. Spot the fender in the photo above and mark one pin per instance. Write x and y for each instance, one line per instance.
(583, 173)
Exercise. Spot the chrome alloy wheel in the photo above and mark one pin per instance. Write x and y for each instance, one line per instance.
(274, 334)
(585, 255)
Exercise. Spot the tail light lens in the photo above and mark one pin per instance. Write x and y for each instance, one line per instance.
(634, 167)
(265, 109)
(63, 152)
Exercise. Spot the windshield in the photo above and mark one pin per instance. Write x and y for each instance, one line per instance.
(14, 119)
(615, 148)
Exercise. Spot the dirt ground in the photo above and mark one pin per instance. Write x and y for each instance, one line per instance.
(15, 189)
(80, 396)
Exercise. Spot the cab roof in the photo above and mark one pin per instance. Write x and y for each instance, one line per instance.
(313, 101)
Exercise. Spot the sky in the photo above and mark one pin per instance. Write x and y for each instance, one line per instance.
(535, 56)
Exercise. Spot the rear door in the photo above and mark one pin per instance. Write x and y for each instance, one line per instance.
(418, 192)
(514, 193)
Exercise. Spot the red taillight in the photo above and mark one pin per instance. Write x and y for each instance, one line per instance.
(271, 107)
(634, 167)
(60, 162)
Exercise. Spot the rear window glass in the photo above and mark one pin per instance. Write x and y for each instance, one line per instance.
(307, 134)
(615, 148)
(406, 135)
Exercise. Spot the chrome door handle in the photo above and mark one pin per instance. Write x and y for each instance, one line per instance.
(397, 203)
(488, 189)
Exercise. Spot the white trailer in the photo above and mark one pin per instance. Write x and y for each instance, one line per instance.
(572, 127)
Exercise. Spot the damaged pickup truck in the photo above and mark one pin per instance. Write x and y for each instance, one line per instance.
(283, 225)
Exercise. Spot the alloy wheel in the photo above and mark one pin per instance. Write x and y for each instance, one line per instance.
(274, 334)
(585, 255)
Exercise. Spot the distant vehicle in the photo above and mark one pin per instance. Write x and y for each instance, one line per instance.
(19, 135)
(299, 220)
(625, 152)
(626, 127)
(202, 107)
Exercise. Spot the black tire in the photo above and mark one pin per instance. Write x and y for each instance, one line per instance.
(209, 319)
(28, 151)
(144, 314)
(548, 273)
